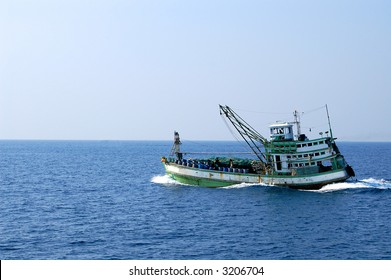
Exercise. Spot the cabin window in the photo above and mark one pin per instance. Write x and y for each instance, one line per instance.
(315, 143)
(277, 130)
(323, 153)
(316, 154)
(309, 144)
(321, 142)
(278, 162)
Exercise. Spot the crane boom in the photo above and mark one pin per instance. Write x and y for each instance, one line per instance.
(249, 134)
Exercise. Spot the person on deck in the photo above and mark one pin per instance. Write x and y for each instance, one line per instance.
(217, 163)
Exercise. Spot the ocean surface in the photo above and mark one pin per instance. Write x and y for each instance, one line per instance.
(111, 200)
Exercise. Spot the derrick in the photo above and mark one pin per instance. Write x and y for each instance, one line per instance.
(253, 138)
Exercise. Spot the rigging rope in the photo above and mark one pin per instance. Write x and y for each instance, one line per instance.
(219, 153)
(233, 133)
(209, 146)
(259, 112)
(280, 113)
(313, 110)
(317, 125)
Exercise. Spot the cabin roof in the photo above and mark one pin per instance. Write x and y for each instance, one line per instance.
(285, 124)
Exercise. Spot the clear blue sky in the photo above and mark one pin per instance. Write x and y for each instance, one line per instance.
(123, 69)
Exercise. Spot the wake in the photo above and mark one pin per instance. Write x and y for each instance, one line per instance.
(241, 186)
(370, 183)
(164, 180)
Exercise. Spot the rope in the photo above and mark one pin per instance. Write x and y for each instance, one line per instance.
(280, 113)
(220, 153)
(314, 110)
(258, 112)
(233, 133)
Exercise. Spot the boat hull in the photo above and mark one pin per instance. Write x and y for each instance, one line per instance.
(213, 178)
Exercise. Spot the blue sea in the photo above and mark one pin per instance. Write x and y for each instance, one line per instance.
(111, 200)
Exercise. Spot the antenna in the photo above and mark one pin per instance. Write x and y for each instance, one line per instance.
(297, 122)
(328, 118)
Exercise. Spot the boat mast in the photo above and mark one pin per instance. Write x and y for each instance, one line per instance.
(328, 118)
(176, 149)
(297, 122)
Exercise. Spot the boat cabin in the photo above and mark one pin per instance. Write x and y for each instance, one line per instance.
(281, 132)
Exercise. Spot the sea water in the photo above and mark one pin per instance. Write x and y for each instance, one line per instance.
(112, 200)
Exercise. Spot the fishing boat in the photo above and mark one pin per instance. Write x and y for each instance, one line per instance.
(285, 159)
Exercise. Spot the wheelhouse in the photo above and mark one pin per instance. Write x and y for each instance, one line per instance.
(281, 132)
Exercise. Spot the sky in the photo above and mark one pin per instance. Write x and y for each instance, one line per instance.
(140, 69)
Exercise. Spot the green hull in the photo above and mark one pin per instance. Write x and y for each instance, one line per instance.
(214, 179)
(209, 183)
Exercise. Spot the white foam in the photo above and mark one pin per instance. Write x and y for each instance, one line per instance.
(239, 186)
(380, 182)
(342, 186)
(362, 184)
(369, 183)
(164, 179)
